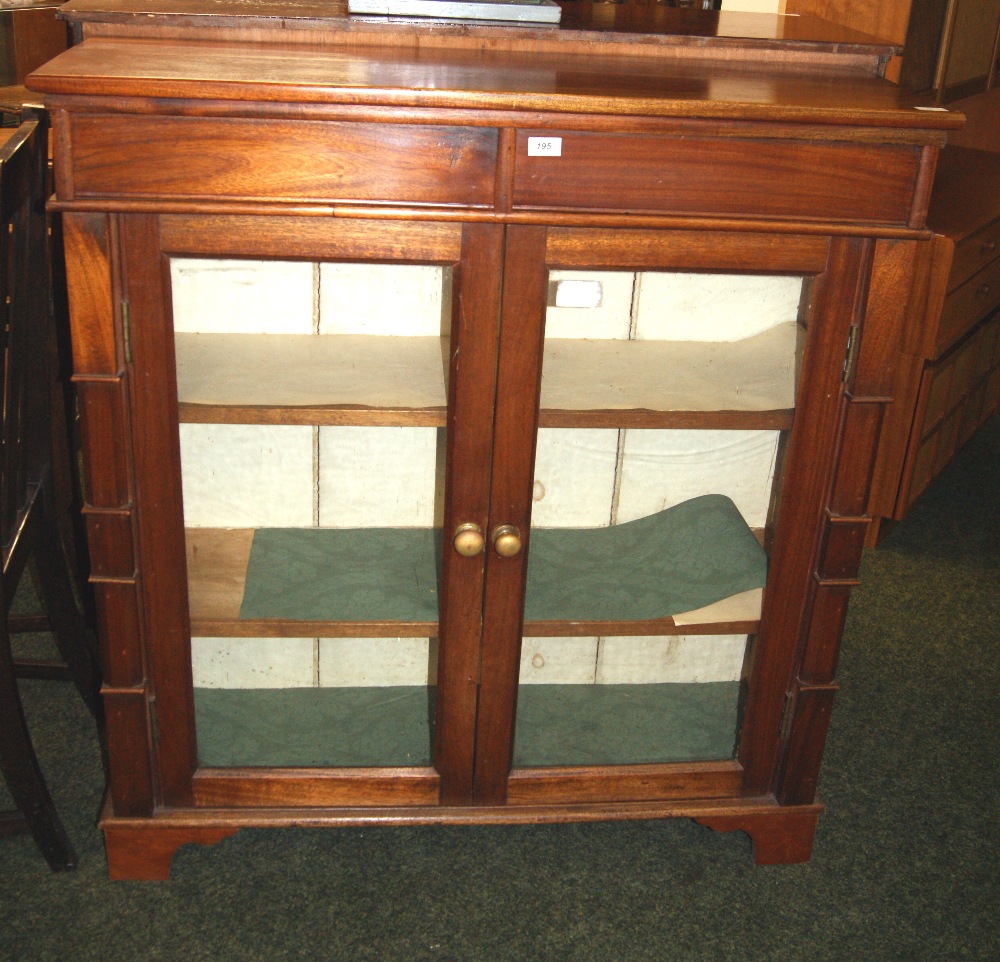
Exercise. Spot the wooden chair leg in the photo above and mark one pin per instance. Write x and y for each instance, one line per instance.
(23, 775)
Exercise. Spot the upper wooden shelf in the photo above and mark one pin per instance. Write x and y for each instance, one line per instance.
(356, 379)
(302, 379)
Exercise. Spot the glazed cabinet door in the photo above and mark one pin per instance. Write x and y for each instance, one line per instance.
(309, 405)
(658, 396)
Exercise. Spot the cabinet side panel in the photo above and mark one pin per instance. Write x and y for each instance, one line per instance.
(838, 296)
(131, 775)
(119, 631)
(105, 451)
(869, 383)
(88, 281)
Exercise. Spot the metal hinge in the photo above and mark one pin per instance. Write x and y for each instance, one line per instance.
(850, 354)
(154, 721)
(126, 332)
(786, 716)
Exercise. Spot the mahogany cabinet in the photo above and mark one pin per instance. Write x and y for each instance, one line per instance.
(524, 171)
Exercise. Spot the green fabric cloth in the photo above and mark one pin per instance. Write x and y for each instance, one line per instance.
(677, 560)
(625, 724)
(343, 574)
(556, 725)
(314, 726)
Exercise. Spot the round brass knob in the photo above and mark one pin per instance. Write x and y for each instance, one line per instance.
(469, 540)
(507, 541)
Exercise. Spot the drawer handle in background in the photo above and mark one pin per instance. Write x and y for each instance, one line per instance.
(983, 290)
(469, 540)
(989, 247)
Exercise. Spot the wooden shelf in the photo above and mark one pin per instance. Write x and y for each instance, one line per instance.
(307, 379)
(357, 379)
(746, 384)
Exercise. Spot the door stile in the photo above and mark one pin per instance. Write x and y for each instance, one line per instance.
(160, 557)
(515, 423)
(472, 377)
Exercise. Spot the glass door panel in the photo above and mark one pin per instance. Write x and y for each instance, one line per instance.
(313, 399)
(665, 398)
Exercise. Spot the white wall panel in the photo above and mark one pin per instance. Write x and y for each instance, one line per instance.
(558, 661)
(663, 468)
(247, 475)
(384, 299)
(574, 478)
(612, 319)
(381, 477)
(713, 307)
(253, 662)
(243, 297)
(678, 658)
(376, 662)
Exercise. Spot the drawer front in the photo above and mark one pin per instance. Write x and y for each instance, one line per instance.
(957, 394)
(974, 253)
(126, 156)
(784, 179)
(964, 307)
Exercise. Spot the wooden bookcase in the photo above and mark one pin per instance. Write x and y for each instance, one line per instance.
(631, 138)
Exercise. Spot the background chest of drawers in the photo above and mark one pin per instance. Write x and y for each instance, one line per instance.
(948, 379)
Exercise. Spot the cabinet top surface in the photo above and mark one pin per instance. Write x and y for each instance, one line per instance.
(459, 78)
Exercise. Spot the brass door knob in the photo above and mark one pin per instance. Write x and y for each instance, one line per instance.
(469, 540)
(507, 541)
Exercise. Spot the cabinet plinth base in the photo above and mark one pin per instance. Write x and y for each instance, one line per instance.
(782, 837)
(142, 849)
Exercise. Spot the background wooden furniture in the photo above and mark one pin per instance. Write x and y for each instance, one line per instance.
(29, 516)
(952, 47)
(949, 375)
(500, 156)
(30, 34)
